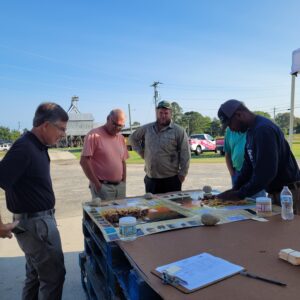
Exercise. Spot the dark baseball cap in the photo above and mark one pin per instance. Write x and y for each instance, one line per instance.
(164, 104)
(227, 110)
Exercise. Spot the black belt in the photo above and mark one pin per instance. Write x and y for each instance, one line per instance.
(110, 182)
(49, 212)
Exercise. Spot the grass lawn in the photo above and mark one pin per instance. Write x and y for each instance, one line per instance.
(208, 157)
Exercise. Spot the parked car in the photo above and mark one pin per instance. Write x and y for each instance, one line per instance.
(5, 146)
(220, 145)
(202, 142)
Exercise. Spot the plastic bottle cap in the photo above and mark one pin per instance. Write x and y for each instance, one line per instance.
(263, 200)
(127, 221)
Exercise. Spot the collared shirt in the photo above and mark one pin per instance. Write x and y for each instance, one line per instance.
(269, 163)
(166, 152)
(107, 153)
(25, 176)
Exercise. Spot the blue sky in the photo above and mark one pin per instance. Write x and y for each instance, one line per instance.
(108, 53)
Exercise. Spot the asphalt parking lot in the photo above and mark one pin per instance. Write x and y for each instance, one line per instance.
(71, 190)
(71, 186)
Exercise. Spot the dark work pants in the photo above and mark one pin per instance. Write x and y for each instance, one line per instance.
(45, 270)
(162, 185)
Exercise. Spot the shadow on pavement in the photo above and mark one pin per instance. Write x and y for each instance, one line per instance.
(12, 271)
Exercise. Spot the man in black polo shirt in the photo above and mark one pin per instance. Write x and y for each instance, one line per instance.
(269, 163)
(25, 177)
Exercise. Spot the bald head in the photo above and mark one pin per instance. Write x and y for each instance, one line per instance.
(117, 113)
(115, 121)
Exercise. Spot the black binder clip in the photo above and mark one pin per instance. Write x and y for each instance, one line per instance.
(168, 278)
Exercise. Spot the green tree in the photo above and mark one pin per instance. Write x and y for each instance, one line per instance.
(262, 113)
(7, 134)
(296, 125)
(14, 134)
(4, 133)
(216, 127)
(283, 121)
(194, 122)
(177, 112)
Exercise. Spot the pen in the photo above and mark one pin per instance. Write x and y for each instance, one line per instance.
(263, 278)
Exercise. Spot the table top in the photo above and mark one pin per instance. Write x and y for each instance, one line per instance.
(251, 244)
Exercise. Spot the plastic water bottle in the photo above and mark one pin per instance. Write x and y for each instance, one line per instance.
(286, 199)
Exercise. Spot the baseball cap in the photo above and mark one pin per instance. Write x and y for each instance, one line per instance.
(164, 104)
(227, 110)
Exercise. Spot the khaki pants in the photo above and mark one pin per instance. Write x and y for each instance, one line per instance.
(110, 191)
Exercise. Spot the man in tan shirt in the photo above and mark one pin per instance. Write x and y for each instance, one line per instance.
(165, 148)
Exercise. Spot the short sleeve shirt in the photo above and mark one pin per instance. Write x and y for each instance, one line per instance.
(25, 176)
(234, 144)
(107, 153)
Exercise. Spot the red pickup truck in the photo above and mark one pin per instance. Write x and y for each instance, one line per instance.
(220, 145)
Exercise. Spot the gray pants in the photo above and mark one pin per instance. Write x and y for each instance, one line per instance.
(45, 270)
(110, 191)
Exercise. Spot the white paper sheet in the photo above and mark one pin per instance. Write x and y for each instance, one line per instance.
(201, 270)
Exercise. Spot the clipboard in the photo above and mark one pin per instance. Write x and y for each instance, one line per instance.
(177, 286)
(196, 272)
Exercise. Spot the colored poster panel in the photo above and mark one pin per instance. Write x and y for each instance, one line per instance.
(163, 212)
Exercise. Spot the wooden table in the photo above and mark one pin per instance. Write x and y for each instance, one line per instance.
(251, 244)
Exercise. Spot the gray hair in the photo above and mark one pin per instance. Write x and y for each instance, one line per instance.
(50, 112)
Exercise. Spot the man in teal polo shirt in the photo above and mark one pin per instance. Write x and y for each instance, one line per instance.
(234, 147)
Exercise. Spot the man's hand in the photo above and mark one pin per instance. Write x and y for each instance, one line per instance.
(5, 229)
(229, 195)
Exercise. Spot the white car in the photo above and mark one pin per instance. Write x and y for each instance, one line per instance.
(202, 142)
(5, 146)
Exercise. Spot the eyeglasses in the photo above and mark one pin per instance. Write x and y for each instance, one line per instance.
(60, 128)
(118, 126)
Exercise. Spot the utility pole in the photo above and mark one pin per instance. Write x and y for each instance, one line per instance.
(274, 113)
(188, 118)
(156, 95)
(129, 114)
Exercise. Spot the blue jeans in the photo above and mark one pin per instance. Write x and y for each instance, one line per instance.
(261, 193)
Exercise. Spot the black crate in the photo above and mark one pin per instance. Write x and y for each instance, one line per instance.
(138, 289)
(114, 256)
(96, 284)
(92, 250)
(106, 271)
